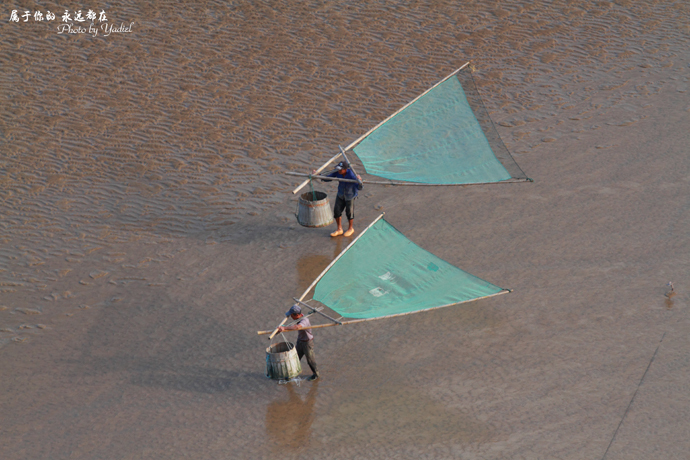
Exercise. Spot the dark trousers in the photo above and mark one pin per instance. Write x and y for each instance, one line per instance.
(307, 348)
(341, 204)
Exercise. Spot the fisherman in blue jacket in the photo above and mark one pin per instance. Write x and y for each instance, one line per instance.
(347, 192)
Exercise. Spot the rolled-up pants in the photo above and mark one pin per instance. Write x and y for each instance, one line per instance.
(341, 204)
(307, 348)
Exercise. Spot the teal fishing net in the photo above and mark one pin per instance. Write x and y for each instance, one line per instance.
(444, 137)
(385, 274)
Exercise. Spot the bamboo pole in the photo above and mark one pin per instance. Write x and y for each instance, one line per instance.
(404, 107)
(275, 331)
(339, 256)
(379, 125)
(349, 164)
(504, 291)
(311, 327)
(318, 176)
(314, 310)
(513, 181)
(317, 171)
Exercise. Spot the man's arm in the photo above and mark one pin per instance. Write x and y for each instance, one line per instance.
(288, 328)
(351, 175)
(329, 174)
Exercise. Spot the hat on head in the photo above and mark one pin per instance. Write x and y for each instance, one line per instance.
(294, 310)
(340, 166)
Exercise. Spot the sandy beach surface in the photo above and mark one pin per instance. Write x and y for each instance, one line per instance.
(148, 233)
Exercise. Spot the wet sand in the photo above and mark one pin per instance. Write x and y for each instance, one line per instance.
(148, 234)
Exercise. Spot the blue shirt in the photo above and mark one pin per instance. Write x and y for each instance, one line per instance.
(346, 190)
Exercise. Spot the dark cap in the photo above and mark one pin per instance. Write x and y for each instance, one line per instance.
(340, 166)
(294, 310)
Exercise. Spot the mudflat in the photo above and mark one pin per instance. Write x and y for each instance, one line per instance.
(148, 233)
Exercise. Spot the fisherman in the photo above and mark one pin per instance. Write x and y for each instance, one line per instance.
(305, 339)
(347, 192)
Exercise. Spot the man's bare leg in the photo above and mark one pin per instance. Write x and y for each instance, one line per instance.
(339, 221)
(350, 229)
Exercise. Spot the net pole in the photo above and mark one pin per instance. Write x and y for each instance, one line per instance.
(339, 256)
(275, 331)
(348, 163)
(514, 181)
(365, 181)
(404, 107)
(378, 126)
(504, 291)
(318, 176)
(303, 184)
(354, 321)
(314, 310)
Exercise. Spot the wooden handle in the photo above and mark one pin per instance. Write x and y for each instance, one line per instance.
(317, 171)
(318, 326)
(275, 331)
(342, 152)
(355, 321)
(318, 176)
(314, 310)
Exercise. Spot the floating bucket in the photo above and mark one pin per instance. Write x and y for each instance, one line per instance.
(282, 362)
(313, 210)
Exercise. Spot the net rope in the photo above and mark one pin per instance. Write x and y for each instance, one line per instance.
(476, 102)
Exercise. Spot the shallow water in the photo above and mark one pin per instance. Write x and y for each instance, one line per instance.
(148, 232)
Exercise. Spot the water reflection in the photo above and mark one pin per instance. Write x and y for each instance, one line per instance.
(339, 246)
(311, 265)
(288, 422)
(668, 303)
(668, 296)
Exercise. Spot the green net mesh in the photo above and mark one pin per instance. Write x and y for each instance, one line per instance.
(445, 137)
(384, 274)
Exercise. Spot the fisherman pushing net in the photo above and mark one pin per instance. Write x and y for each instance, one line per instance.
(345, 201)
(305, 339)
